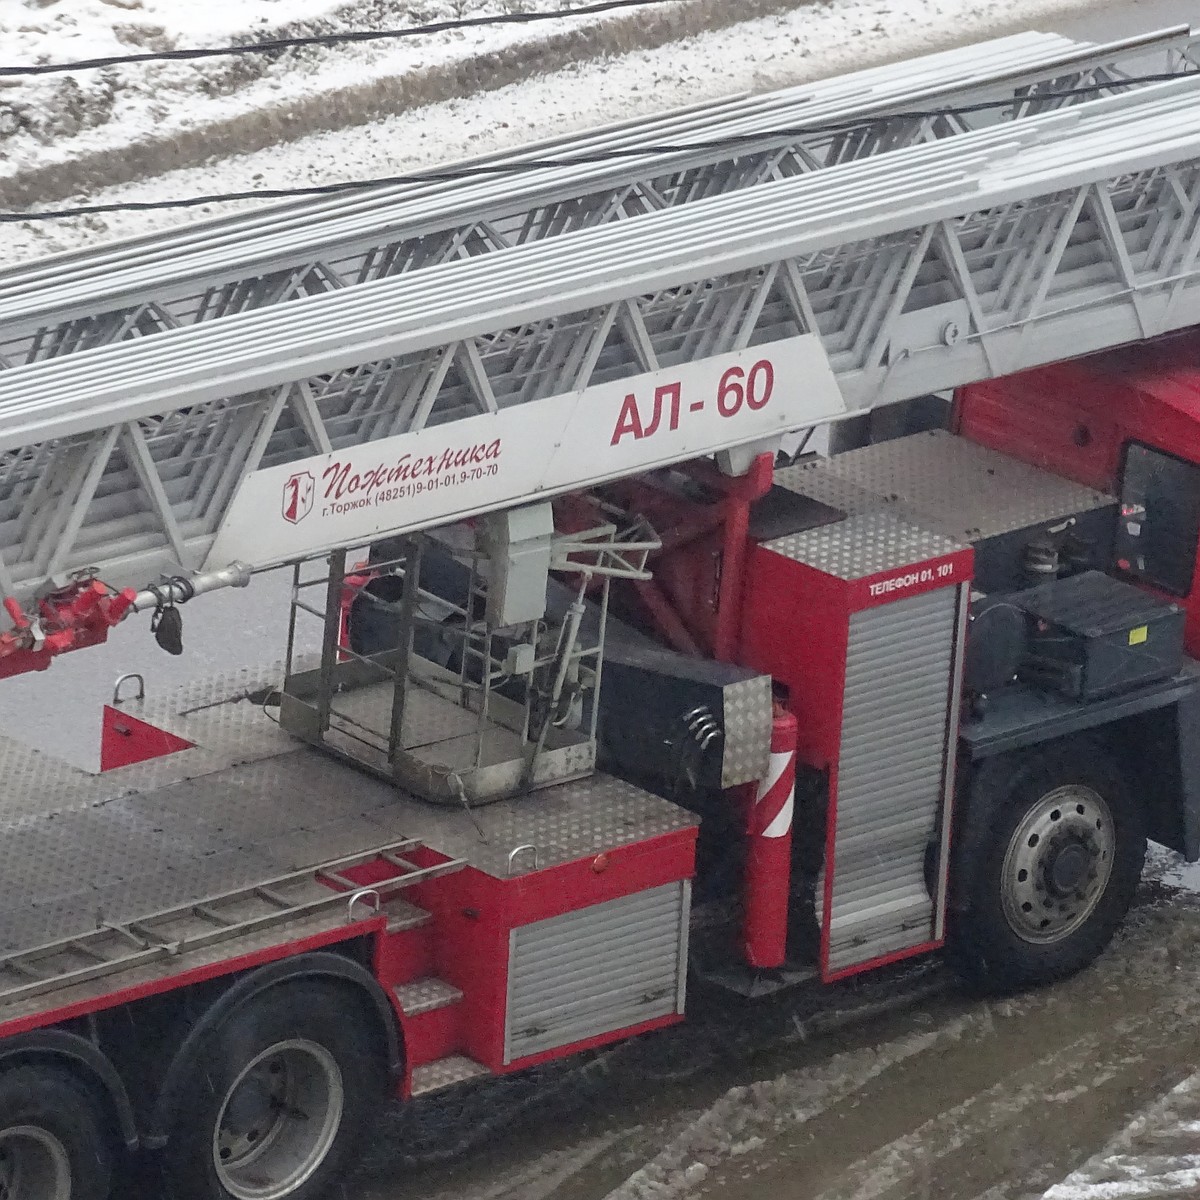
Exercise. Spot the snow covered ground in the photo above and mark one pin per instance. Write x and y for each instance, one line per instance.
(64, 118)
(303, 117)
(113, 124)
(1153, 1157)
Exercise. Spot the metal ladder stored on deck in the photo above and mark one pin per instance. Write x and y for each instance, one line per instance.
(172, 933)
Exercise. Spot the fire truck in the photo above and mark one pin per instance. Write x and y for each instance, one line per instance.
(613, 684)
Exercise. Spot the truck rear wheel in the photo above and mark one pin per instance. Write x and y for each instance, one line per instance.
(53, 1144)
(282, 1093)
(1048, 858)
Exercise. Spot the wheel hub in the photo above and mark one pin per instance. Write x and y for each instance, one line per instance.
(250, 1106)
(1068, 868)
(279, 1120)
(1057, 864)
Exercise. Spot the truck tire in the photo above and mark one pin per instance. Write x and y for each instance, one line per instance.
(1047, 860)
(54, 1143)
(282, 1093)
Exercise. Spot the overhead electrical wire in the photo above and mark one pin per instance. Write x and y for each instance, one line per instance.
(330, 39)
(523, 166)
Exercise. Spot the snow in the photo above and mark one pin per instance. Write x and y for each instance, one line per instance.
(1166, 867)
(737, 1122)
(57, 118)
(809, 42)
(1138, 1162)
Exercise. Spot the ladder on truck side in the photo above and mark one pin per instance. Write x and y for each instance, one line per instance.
(712, 328)
(259, 259)
(323, 891)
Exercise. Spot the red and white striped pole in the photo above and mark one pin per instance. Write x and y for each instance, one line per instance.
(767, 879)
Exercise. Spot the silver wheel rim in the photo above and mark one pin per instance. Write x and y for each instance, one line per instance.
(1058, 863)
(33, 1165)
(278, 1121)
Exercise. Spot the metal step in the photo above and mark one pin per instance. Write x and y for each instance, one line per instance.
(444, 1073)
(751, 982)
(403, 914)
(425, 995)
(176, 931)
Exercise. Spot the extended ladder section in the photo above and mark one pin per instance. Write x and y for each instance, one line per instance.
(474, 385)
(218, 919)
(264, 258)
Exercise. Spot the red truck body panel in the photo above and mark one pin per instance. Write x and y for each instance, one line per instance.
(1076, 418)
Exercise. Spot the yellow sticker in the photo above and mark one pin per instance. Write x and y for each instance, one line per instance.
(1137, 636)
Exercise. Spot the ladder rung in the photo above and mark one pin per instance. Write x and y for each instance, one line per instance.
(420, 874)
(149, 936)
(340, 880)
(397, 861)
(86, 950)
(123, 931)
(26, 968)
(273, 897)
(208, 914)
(399, 847)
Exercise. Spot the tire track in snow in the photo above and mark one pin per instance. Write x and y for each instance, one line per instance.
(739, 1119)
(895, 1165)
(1072, 1072)
(539, 1180)
(1154, 1157)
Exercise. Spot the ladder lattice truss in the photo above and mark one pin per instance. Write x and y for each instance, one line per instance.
(256, 259)
(917, 269)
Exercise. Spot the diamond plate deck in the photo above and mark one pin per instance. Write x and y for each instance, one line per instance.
(445, 1073)
(747, 719)
(403, 914)
(247, 804)
(863, 545)
(964, 490)
(226, 728)
(424, 995)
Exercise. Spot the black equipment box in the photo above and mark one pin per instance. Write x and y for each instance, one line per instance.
(1093, 636)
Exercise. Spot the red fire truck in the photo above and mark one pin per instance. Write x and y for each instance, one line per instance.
(608, 688)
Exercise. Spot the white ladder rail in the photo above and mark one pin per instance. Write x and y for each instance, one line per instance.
(253, 260)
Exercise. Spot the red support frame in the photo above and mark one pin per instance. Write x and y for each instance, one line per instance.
(695, 600)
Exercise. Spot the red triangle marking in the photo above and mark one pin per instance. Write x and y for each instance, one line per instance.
(125, 740)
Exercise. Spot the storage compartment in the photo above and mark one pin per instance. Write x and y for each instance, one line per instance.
(861, 620)
(1093, 636)
(597, 970)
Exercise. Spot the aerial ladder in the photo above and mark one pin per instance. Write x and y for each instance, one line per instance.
(259, 258)
(871, 281)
